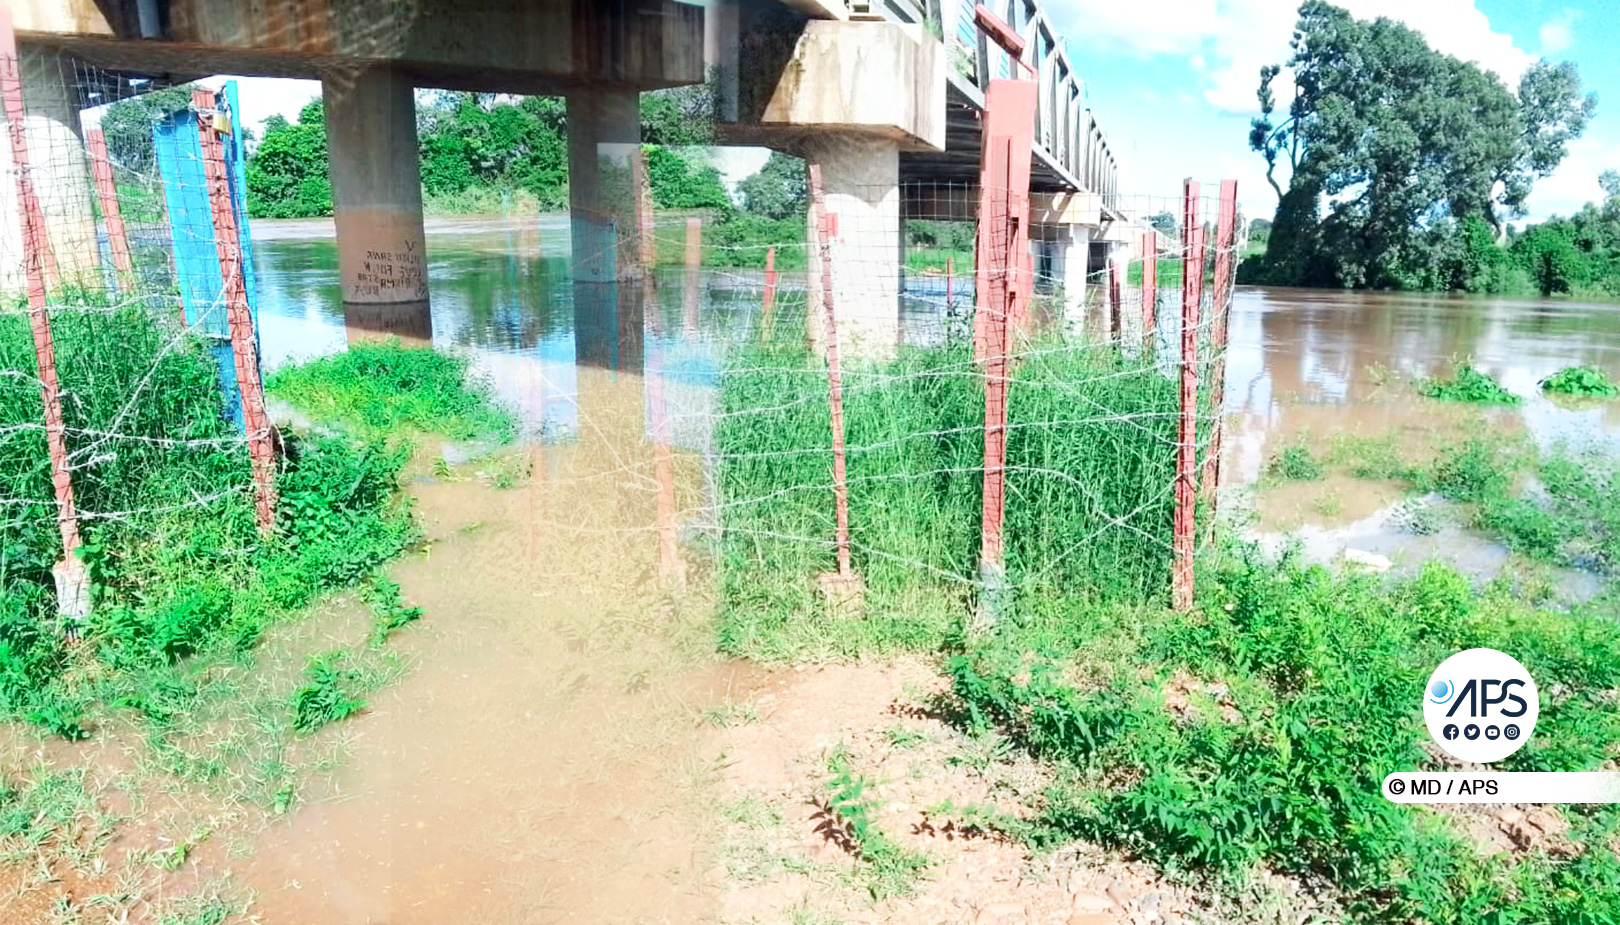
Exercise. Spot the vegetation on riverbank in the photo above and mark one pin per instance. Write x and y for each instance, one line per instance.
(384, 388)
(1467, 384)
(189, 659)
(1580, 382)
(1248, 737)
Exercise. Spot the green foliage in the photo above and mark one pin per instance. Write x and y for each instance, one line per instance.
(889, 869)
(287, 175)
(1086, 509)
(474, 147)
(1552, 259)
(386, 387)
(1468, 384)
(391, 611)
(684, 181)
(1581, 382)
(128, 124)
(779, 190)
(325, 697)
(1295, 464)
(1300, 691)
(181, 575)
(1392, 134)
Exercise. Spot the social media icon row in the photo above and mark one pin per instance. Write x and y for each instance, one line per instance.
(1472, 731)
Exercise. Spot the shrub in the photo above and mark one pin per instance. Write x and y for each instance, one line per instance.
(1581, 382)
(1468, 385)
(1295, 464)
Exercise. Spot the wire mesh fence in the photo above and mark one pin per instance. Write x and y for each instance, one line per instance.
(127, 356)
(931, 396)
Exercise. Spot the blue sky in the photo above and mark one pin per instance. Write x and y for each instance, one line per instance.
(1172, 81)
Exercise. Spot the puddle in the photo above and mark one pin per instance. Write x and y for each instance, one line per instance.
(542, 760)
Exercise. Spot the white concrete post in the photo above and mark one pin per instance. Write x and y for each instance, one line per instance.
(1074, 250)
(861, 176)
(61, 176)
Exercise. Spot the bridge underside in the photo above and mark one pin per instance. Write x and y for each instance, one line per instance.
(958, 164)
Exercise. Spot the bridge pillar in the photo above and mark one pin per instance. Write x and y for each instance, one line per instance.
(861, 179)
(1074, 253)
(60, 173)
(604, 130)
(377, 201)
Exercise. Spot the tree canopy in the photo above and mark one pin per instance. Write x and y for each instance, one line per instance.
(778, 190)
(1396, 140)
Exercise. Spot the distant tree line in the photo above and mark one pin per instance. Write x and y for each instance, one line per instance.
(475, 147)
(1404, 165)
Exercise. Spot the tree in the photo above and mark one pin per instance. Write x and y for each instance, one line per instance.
(127, 125)
(780, 188)
(683, 182)
(287, 176)
(1554, 263)
(1396, 138)
(1165, 223)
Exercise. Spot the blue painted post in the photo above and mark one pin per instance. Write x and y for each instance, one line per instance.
(191, 227)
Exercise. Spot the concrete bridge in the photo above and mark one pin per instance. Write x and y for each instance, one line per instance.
(886, 94)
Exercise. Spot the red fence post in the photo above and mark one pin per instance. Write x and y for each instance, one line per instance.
(244, 347)
(767, 320)
(1192, 280)
(1221, 305)
(1150, 291)
(73, 601)
(950, 282)
(107, 195)
(670, 566)
(694, 266)
(835, 381)
(1009, 128)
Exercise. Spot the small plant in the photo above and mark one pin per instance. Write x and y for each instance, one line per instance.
(1470, 385)
(391, 612)
(324, 698)
(1415, 516)
(901, 736)
(1580, 382)
(1295, 464)
(888, 869)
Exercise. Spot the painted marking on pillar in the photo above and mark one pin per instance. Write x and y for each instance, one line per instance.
(835, 383)
(1221, 306)
(1192, 278)
(107, 195)
(233, 292)
(36, 254)
(670, 566)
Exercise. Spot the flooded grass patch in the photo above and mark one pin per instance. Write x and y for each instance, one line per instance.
(1467, 384)
(386, 388)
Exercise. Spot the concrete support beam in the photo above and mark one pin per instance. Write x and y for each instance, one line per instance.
(877, 79)
(604, 130)
(377, 196)
(61, 175)
(861, 176)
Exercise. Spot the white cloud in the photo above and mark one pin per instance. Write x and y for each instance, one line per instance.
(1558, 33)
(1236, 37)
(1575, 182)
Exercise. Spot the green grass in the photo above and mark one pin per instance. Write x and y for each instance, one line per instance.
(1320, 679)
(1295, 464)
(1090, 457)
(1580, 382)
(385, 387)
(885, 868)
(1467, 384)
(925, 259)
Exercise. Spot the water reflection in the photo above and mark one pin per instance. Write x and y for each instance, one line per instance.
(503, 294)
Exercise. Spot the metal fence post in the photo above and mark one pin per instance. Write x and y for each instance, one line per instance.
(835, 382)
(1221, 305)
(72, 582)
(244, 347)
(1192, 278)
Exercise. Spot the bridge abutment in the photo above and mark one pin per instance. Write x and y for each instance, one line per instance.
(377, 200)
